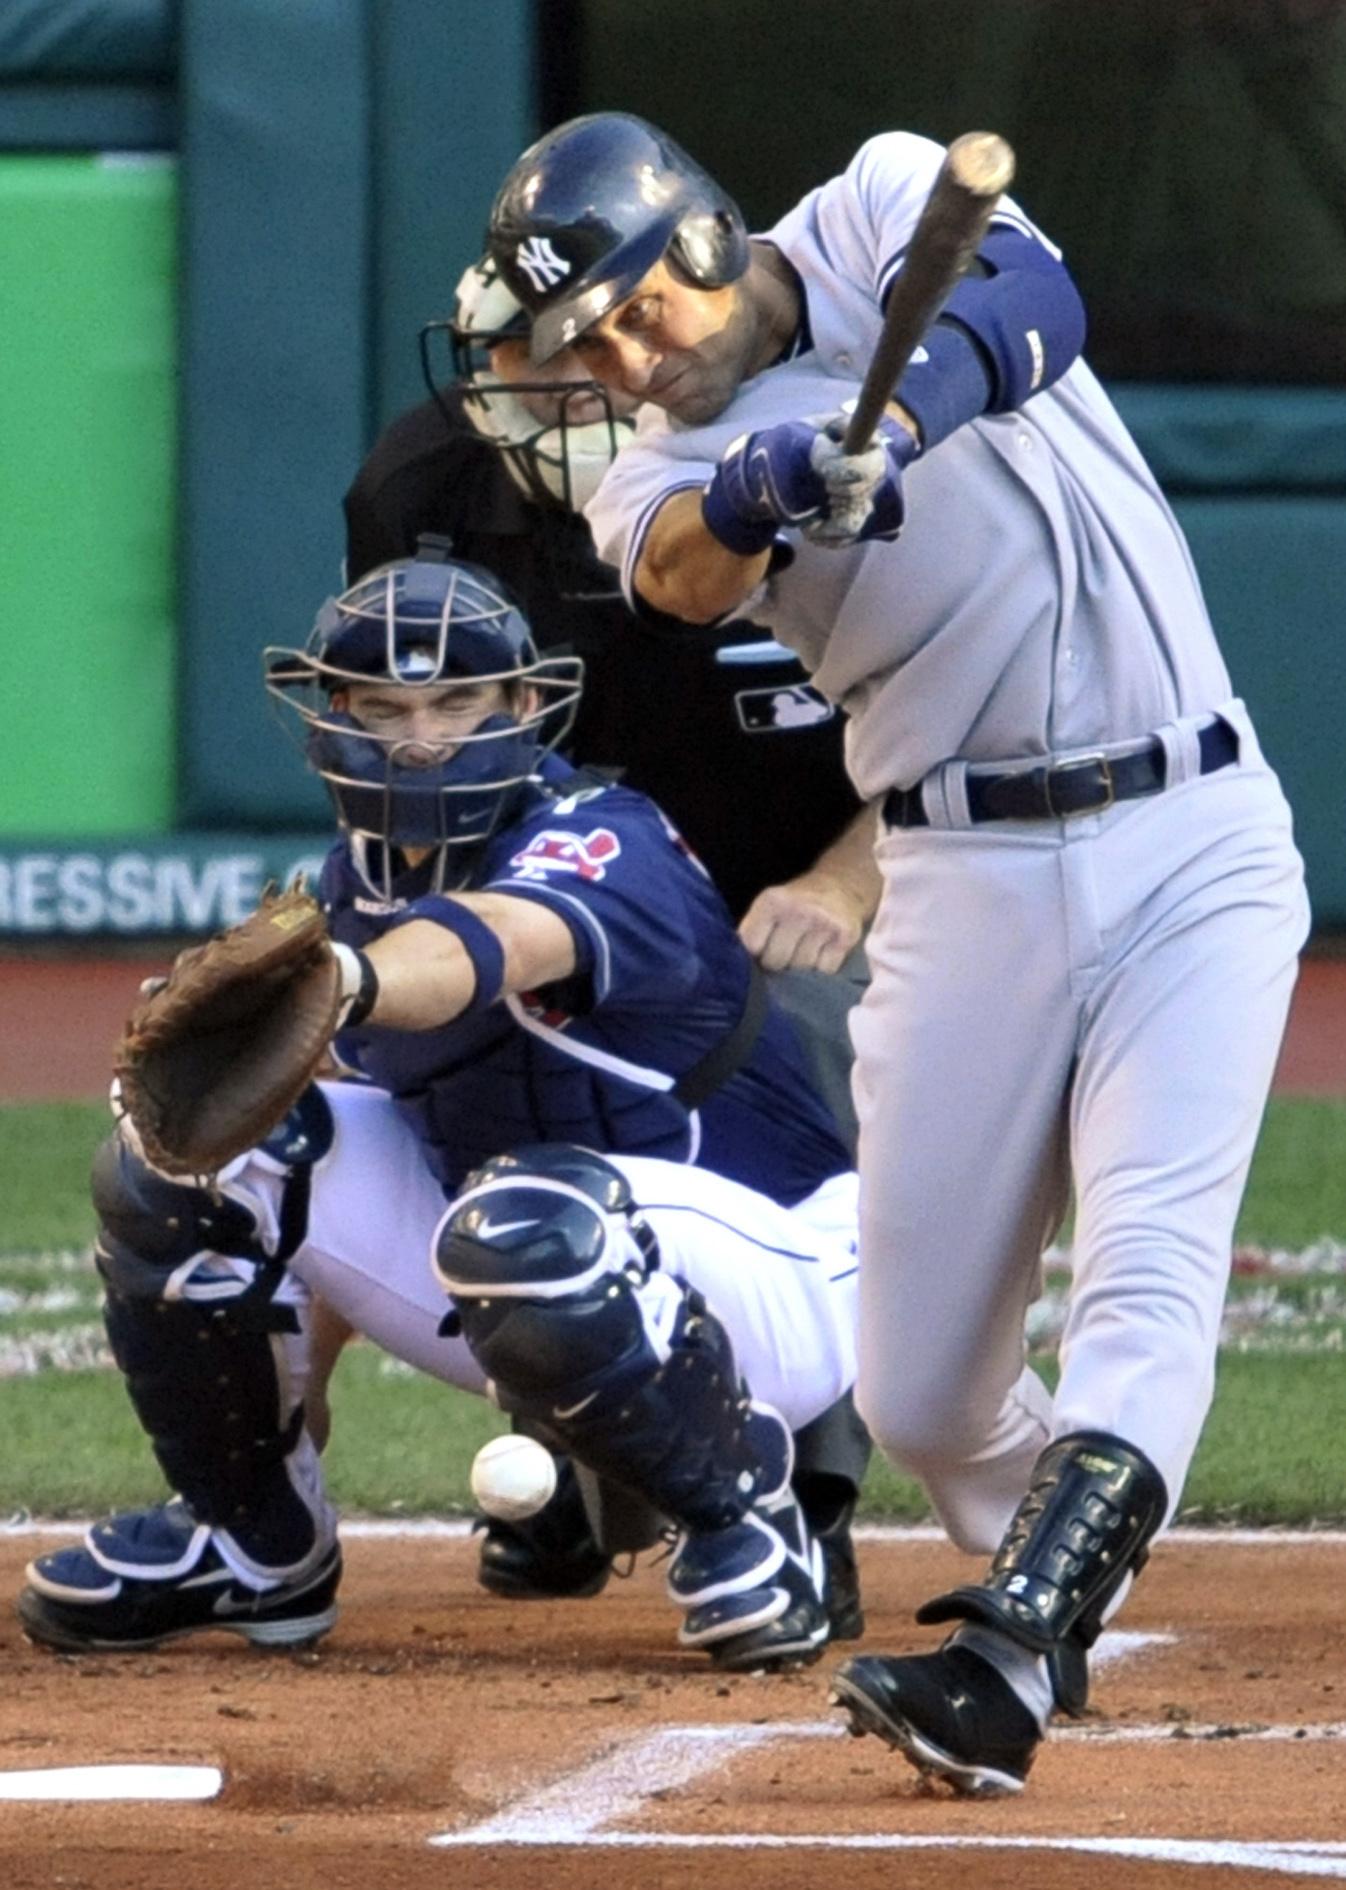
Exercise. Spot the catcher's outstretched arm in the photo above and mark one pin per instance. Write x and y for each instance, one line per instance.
(432, 970)
(208, 1064)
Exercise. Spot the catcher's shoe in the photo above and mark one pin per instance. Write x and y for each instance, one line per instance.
(154, 1575)
(755, 1593)
(950, 1713)
(552, 1556)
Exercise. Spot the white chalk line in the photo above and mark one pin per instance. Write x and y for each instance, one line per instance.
(1183, 1732)
(1120, 1644)
(456, 1528)
(107, 1783)
(576, 1810)
(1290, 1859)
(617, 1783)
(581, 1807)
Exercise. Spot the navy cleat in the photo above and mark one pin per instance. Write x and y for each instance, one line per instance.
(155, 1575)
(754, 1593)
(950, 1713)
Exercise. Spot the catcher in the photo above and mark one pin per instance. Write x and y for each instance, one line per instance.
(524, 966)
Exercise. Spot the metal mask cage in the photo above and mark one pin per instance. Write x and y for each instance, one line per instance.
(388, 789)
(542, 455)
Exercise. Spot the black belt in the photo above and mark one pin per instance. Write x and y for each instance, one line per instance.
(1085, 784)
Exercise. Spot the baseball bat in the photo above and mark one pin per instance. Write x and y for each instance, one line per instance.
(977, 168)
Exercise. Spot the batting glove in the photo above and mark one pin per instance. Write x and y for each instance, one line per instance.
(864, 490)
(764, 481)
(795, 474)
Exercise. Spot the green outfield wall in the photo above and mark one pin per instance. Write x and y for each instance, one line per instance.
(223, 221)
(88, 630)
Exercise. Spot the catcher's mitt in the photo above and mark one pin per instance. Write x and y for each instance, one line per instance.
(210, 1062)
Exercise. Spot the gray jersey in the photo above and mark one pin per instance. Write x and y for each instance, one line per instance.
(1041, 597)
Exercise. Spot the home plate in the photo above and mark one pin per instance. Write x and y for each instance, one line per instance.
(70, 1782)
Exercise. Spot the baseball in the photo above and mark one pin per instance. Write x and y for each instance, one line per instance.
(512, 1477)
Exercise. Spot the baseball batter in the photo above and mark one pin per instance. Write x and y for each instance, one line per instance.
(537, 970)
(1092, 902)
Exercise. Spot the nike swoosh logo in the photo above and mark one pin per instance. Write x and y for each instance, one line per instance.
(575, 1409)
(488, 1229)
(227, 1604)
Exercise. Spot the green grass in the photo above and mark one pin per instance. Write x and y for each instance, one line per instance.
(1296, 1193)
(401, 1445)
(1272, 1451)
(45, 1151)
(1297, 1189)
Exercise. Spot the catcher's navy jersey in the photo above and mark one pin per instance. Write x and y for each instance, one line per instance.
(661, 978)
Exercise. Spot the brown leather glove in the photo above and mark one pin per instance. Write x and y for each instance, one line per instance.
(209, 1063)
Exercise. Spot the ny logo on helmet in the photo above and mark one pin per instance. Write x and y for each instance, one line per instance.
(540, 263)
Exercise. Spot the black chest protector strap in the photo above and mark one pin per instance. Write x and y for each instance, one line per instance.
(732, 1051)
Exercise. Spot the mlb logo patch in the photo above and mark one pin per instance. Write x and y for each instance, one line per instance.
(587, 856)
(767, 711)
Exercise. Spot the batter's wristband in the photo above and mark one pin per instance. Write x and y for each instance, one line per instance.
(482, 945)
(746, 538)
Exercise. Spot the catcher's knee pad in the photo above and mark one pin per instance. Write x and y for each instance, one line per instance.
(208, 1389)
(557, 1288)
(1086, 1523)
(156, 1236)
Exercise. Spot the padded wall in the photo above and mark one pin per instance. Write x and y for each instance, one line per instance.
(1274, 574)
(87, 320)
(339, 160)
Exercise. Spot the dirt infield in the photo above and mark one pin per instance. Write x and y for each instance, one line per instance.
(573, 1746)
(60, 1016)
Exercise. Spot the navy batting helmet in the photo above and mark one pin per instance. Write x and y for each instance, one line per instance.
(431, 621)
(588, 210)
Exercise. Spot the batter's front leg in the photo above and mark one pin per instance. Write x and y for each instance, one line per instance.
(1177, 1055)
(964, 1042)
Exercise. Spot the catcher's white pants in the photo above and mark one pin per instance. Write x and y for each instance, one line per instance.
(781, 1280)
(1098, 1000)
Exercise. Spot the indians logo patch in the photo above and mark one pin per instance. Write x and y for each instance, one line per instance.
(587, 856)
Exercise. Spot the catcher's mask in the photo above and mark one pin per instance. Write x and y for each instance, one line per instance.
(557, 436)
(423, 624)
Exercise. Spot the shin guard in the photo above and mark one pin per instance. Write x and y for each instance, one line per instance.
(1085, 1525)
